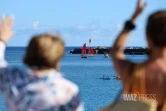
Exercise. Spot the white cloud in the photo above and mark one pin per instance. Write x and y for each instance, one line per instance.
(78, 38)
(94, 24)
(35, 24)
(96, 32)
(119, 27)
(80, 27)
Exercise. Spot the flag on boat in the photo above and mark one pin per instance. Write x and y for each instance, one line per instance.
(90, 40)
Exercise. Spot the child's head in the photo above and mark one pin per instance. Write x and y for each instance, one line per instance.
(44, 51)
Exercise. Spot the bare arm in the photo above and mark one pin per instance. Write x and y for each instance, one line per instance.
(3, 63)
(123, 66)
(6, 33)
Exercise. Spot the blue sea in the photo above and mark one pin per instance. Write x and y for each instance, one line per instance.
(86, 73)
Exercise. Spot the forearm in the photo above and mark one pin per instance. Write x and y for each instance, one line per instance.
(119, 44)
(3, 63)
(121, 65)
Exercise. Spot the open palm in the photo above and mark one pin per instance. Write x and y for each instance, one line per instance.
(6, 31)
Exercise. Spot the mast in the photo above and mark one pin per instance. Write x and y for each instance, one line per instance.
(85, 48)
(90, 42)
(89, 50)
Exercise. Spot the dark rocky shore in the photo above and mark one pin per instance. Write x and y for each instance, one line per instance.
(127, 51)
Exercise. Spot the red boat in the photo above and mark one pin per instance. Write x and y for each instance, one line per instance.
(83, 55)
(90, 50)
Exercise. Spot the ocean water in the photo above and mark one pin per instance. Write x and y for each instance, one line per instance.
(86, 73)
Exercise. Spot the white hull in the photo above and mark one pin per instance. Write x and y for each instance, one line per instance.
(107, 55)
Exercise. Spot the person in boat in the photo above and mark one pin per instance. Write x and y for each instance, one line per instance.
(106, 55)
(41, 87)
(148, 77)
(105, 77)
(83, 56)
(117, 77)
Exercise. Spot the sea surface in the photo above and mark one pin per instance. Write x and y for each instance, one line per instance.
(86, 73)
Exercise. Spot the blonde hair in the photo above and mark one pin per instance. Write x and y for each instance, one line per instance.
(44, 51)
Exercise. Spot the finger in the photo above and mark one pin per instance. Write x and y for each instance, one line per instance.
(7, 20)
(3, 21)
(139, 1)
(3, 18)
(10, 21)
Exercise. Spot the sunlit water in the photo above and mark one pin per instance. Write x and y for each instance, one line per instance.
(86, 73)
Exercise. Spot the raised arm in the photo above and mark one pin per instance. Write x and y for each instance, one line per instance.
(123, 66)
(6, 33)
(3, 63)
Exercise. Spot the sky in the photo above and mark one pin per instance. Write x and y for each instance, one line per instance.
(77, 20)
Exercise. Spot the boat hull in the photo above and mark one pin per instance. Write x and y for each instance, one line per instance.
(105, 78)
(83, 56)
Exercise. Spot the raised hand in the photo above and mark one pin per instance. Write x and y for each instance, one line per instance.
(140, 7)
(6, 31)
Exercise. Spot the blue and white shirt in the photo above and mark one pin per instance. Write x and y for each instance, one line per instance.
(24, 91)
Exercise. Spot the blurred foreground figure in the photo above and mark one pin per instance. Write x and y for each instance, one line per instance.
(42, 87)
(147, 79)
